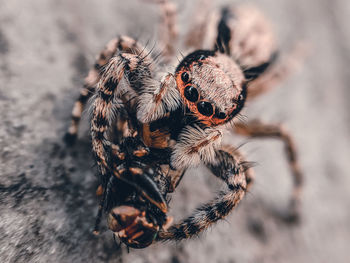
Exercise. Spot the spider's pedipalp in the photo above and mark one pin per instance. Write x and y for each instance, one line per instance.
(195, 145)
(158, 98)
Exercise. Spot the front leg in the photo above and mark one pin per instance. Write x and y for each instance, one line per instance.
(256, 129)
(231, 168)
(118, 44)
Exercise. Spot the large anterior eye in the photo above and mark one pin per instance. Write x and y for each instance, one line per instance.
(191, 93)
(205, 108)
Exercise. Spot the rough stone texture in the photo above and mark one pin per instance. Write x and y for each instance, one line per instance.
(47, 200)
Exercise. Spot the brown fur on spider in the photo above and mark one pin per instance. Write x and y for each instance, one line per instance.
(179, 118)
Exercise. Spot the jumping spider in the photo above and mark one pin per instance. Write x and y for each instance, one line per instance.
(179, 118)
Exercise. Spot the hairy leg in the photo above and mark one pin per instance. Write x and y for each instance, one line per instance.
(203, 26)
(234, 171)
(168, 28)
(123, 44)
(257, 129)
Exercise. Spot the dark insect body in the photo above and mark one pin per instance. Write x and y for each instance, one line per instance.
(148, 128)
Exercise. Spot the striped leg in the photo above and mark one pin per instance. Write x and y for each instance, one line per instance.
(122, 43)
(85, 94)
(257, 129)
(235, 173)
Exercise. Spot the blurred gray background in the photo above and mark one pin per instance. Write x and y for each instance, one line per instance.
(48, 205)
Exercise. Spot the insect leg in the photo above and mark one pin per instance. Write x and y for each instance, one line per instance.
(103, 202)
(256, 129)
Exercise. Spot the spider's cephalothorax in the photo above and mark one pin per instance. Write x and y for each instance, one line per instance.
(212, 86)
(143, 119)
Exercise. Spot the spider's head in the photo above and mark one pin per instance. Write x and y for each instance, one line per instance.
(212, 86)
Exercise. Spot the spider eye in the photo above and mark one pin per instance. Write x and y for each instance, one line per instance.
(185, 77)
(191, 93)
(205, 108)
(240, 98)
(220, 115)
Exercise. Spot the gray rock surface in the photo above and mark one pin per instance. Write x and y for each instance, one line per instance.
(48, 204)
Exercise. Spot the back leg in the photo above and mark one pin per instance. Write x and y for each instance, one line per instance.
(168, 28)
(278, 72)
(123, 44)
(256, 129)
(203, 26)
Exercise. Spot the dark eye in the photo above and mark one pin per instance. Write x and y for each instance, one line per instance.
(205, 108)
(220, 115)
(240, 98)
(185, 77)
(191, 93)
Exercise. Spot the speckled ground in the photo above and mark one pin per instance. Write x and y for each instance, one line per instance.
(47, 200)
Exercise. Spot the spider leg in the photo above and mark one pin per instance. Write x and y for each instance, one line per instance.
(203, 26)
(234, 172)
(168, 28)
(122, 43)
(256, 129)
(278, 72)
(85, 93)
(124, 65)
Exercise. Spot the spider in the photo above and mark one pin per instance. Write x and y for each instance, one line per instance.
(181, 117)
